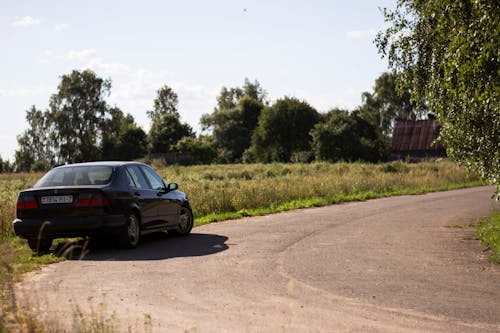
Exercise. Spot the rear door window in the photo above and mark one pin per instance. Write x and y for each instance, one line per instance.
(136, 178)
(153, 178)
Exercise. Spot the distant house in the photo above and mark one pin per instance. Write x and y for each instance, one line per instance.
(415, 140)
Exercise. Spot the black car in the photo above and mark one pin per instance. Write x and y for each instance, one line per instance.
(122, 200)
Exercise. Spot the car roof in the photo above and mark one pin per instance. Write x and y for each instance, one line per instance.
(100, 163)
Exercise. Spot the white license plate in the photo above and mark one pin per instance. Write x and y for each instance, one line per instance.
(57, 199)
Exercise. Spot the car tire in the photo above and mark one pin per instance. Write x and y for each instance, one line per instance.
(185, 224)
(131, 233)
(39, 246)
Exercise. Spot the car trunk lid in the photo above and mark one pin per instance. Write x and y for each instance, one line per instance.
(60, 202)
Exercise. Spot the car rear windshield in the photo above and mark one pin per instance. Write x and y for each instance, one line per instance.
(77, 175)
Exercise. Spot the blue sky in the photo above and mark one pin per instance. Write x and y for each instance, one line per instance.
(318, 51)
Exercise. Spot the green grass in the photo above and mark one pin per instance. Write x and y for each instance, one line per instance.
(220, 192)
(488, 232)
(15, 259)
(233, 191)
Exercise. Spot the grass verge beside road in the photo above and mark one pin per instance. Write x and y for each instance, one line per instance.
(16, 258)
(488, 232)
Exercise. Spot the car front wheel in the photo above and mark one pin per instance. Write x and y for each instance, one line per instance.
(185, 222)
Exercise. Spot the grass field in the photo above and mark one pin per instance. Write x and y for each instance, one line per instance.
(229, 191)
(220, 192)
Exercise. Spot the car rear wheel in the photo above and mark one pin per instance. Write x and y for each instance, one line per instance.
(185, 222)
(131, 233)
(39, 246)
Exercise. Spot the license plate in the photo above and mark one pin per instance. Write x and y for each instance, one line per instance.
(57, 199)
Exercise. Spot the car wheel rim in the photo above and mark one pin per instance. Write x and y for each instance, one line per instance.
(133, 230)
(184, 221)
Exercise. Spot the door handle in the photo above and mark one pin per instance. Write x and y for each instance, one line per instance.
(137, 194)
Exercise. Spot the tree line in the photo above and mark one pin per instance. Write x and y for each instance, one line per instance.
(79, 125)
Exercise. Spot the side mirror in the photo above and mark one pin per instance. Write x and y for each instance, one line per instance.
(172, 187)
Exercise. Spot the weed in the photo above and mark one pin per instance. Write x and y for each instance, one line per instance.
(488, 232)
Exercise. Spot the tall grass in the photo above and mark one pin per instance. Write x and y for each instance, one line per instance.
(10, 185)
(218, 190)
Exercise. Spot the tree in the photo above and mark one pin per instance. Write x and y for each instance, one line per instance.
(34, 143)
(446, 52)
(233, 128)
(283, 130)
(133, 144)
(234, 119)
(122, 139)
(348, 136)
(165, 131)
(228, 98)
(79, 126)
(77, 115)
(165, 102)
(387, 103)
(5, 166)
(166, 127)
(199, 150)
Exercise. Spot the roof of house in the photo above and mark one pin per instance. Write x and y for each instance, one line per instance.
(416, 135)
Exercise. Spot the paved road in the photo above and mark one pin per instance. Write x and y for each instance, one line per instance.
(398, 264)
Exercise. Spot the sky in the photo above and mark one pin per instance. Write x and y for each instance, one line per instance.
(319, 51)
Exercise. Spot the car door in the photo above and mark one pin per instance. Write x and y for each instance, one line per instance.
(148, 200)
(168, 206)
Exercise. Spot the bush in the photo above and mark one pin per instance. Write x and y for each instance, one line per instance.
(40, 166)
(283, 129)
(344, 136)
(200, 150)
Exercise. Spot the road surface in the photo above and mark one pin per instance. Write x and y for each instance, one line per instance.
(400, 264)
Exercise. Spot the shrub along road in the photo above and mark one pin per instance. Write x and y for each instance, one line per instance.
(400, 264)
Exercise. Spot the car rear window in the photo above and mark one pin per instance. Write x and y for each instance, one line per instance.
(77, 175)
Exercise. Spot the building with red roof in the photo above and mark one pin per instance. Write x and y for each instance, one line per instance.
(416, 140)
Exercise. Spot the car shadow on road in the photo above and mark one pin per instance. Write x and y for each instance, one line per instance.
(157, 246)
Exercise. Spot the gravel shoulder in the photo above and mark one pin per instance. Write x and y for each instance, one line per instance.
(400, 264)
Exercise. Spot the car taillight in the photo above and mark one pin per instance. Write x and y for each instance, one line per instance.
(92, 200)
(26, 202)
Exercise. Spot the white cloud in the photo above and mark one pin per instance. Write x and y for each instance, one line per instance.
(72, 55)
(61, 27)
(82, 55)
(139, 85)
(134, 89)
(86, 58)
(104, 68)
(194, 101)
(348, 98)
(134, 93)
(25, 21)
(354, 34)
